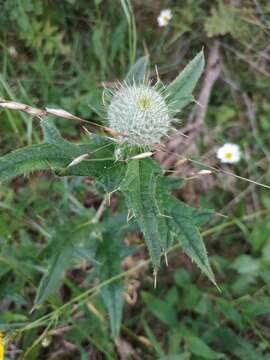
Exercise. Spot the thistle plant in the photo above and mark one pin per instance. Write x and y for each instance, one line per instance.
(139, 116)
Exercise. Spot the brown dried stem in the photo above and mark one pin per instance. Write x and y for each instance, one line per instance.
(40, 113)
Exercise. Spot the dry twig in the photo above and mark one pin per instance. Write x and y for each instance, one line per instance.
(40, 113)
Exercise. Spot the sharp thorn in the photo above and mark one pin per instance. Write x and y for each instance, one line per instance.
(166, 258)
(155, 279)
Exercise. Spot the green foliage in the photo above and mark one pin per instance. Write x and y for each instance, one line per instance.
(138, 74)
(227, 19)
(203, 336)
(55, 154)
(35, 157)
(53, 249)
(139, 188)
(161, 217)
(158, 214)
(161, 309)
(222, 20)
(183, 222)
(67, 241)
(181, 89)
(109, 256)
(198, 347)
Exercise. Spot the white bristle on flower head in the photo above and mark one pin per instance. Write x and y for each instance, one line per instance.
(140, 113)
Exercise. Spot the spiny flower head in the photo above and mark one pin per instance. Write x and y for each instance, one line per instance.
(140, 113)
(229, 153)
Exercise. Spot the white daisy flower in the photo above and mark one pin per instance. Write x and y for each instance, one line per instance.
(164, 17)
(229, 153)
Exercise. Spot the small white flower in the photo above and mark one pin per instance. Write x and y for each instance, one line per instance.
(229, 153)
(164, 17)
(12, 51)
(46, 341)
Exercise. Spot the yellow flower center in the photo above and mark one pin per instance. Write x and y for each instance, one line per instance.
(144, 102)
(228, 155)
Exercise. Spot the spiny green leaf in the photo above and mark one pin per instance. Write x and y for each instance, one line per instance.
(57, 153)
(183, 222)
(100, 164)
(193, 245)
(200, 216)
(107, 173)
(110, 179)
(52, 136)
(31, 158)
(181, 89)
(166, 184)
(138, 73)
(139, 188)
(160, 215)
(172, 182)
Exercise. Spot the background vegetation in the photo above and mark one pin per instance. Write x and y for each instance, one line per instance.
(58, 54)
